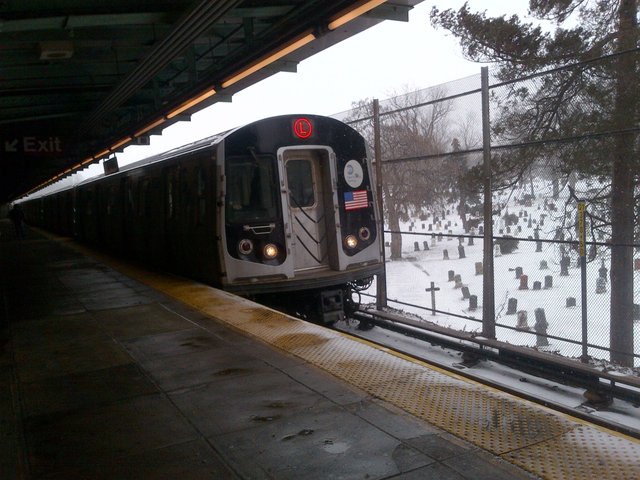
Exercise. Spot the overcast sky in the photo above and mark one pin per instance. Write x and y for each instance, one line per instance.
(380, 62)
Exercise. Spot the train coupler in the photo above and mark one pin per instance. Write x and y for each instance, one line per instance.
(331, 306)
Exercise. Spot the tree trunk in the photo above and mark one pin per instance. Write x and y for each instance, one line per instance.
(622, 189)
(396, 238)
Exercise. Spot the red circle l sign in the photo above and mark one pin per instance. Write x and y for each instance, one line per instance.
(302, 128)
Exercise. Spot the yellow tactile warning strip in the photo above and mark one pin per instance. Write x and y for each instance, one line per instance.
(545, 443)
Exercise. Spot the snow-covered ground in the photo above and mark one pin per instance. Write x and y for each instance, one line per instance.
(408, 278)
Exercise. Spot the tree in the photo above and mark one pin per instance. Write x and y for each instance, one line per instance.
(607, 96)
(407, 136)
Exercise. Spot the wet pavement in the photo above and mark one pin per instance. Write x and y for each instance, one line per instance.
(102, 377)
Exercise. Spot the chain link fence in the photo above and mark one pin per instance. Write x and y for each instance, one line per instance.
(551, 258)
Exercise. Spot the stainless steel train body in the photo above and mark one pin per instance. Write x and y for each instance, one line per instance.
(282, 204)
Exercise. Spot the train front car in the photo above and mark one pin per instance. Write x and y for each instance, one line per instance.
(299, 210)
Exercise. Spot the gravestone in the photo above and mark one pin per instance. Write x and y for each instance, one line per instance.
(538, 246)
(603, 271)
(430, 227)
(479, 269)
(571, 302)
(425, 245)
(522, 320)
(548, 281)
(544, 265)
(445, 254)
(601, 285)
(524, 282)
(465, 293)
(458, 281)
(512, 306)
(461, 252)
(518, 272)
(497, 252)
(473, 302)
(416, 246)
(540, 327)
(470, 242)
(537, 285)
(451, 276)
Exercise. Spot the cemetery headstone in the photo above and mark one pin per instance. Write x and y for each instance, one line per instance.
(524, 282)
(522, 320)
(479, 268)
(473, 302)
(512, 306)
(540, 327)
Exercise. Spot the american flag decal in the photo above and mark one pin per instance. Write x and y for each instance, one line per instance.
(355, 200)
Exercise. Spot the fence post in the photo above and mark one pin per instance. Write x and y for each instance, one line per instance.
(488, 299)
(583, 274)
(381, 283)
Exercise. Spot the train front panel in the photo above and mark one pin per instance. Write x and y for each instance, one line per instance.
(297, 205)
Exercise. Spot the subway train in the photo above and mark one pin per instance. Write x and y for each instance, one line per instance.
(280, 206)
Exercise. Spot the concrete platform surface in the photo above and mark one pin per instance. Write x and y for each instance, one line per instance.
(102, 377)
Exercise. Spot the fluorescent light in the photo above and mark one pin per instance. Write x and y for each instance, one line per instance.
(101, 154)
(120, 143)
(192, 102)
(260, 64)
(151, 126)
(348, 15)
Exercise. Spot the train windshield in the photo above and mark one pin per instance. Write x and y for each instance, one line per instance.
(252, 189)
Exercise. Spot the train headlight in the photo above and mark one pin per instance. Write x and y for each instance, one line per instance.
(245, 246)
(351, 241)
(364, 233)
(270, 251)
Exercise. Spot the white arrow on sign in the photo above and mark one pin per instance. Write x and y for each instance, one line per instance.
(11, 146)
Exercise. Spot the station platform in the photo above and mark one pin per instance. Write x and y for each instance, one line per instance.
(110, 371)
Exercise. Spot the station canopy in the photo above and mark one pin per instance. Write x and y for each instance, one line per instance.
(82, 79)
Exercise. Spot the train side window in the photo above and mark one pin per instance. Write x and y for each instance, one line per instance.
(252, 189)
(300, 182)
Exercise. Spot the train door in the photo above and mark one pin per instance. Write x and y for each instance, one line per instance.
(307, 174)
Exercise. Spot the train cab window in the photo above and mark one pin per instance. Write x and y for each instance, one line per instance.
(252, 189)
(300, 182)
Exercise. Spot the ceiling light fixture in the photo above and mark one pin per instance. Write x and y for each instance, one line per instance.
(294, 45)
(359, 9)
(192, 102)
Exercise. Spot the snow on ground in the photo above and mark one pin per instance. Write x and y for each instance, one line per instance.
(408, 278)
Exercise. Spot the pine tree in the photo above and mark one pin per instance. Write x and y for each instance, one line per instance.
(607, 93)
